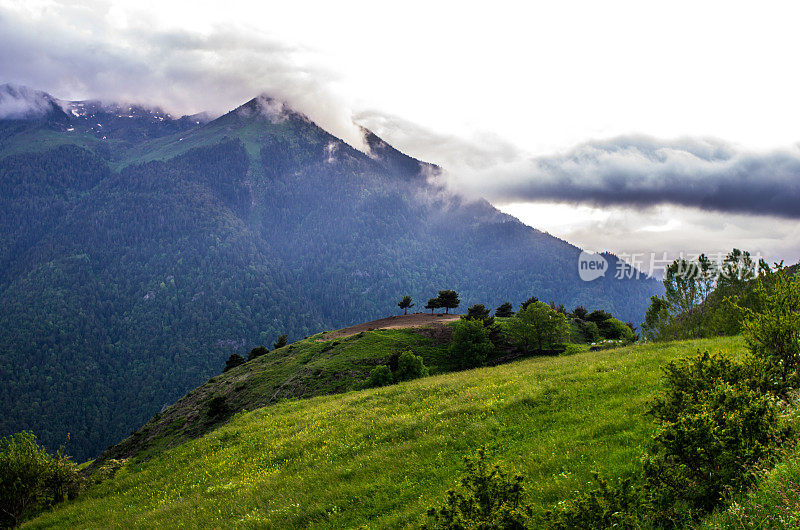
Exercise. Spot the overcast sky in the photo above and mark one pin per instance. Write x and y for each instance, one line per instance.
(622, 126)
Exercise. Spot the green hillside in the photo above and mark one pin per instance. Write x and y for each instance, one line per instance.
(380, 457)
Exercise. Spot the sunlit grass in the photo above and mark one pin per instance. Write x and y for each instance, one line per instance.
(380, 457)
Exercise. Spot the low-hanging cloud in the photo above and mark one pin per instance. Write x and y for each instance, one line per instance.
(75, 51)
(641, 171)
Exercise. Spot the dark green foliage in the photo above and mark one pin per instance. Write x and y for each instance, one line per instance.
(585, 332)
(217, 407)
(480, 312)
(537, 327)
(471, 345)
(580, 312)
(504, 310)
(529, 301)
(712, 430)
(608, 505)
(598, 316)
(280, 343)
(656, 319)
(380, 376)
(773, 333)
(257, 352)
(487, 498)
(432, 304)
(448, 299)
(233, 361)
(405, 303)
(616, 330)
(31, 479)
(409, 366)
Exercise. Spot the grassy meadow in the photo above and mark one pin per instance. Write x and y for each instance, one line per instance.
(380, 457)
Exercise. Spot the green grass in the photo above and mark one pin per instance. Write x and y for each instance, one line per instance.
(304, 369)
(380, 457)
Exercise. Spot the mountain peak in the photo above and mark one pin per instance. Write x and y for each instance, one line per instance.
(19, 102)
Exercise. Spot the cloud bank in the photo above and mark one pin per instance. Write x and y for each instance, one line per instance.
(640, 171)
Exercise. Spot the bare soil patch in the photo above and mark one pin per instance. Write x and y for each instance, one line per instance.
(414, 320)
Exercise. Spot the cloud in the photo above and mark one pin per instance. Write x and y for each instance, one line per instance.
(95, 50)
(642, 171)
(478, 152)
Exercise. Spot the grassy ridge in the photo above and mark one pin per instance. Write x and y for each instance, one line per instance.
(381, 457)
(307, 368)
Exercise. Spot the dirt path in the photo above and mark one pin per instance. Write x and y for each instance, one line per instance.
(414, 320)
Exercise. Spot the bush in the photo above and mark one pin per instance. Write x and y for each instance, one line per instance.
(712, 430)
(257, 352)
(488, 498)
(31, 479)
(217, 407)
(606, 506)
(380, 376)
(409, 366)
(471, 345)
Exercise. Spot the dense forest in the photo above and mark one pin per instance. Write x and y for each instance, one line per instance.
(133, 265)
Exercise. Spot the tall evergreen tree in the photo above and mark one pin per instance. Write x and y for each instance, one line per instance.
(448, 300)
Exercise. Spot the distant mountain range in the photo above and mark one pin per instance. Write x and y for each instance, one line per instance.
(139, 250)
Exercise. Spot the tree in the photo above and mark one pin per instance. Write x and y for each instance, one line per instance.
(405, 303)
(773, 333)
(31, 479)
(449, 300)
(257, 352)
(471, 345)
(233, 361)
(504, 310)
(598, 316)
(479, 312)
(580, 312)
(432, 304)
(656, 319)
(529, 301)
(538, 326)
(280, 343)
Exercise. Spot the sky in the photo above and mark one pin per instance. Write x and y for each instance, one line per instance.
(634, 127)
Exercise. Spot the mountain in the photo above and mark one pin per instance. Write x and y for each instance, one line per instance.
(139, 250)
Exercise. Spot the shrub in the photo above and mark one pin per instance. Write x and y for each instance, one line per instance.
(31, 479)
(572, 349)
(471, 344)
(257, 352)
(380, 376)
(712, 430)
(409, 366)
(488, 498)
(217, 407)
(608, 505)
